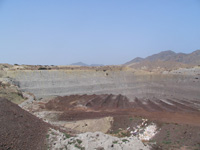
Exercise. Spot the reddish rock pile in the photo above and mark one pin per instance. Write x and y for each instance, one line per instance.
(20, 129)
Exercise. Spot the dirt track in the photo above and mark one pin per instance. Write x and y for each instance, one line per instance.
(20, 130)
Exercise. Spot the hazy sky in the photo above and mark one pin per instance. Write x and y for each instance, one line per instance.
(61, 32)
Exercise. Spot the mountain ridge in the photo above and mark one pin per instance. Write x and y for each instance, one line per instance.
(165, 60)
(191, 58)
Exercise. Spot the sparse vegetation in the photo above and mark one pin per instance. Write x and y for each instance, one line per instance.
(71, 142)
(47, 136)
(124, 134)
(131, 119)
(78, 141)
(67, 135)
(117, 131)
(125, 140)
(79, 147)
(167, 142)
(42, 68)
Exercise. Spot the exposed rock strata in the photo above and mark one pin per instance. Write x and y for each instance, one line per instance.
(45, 83)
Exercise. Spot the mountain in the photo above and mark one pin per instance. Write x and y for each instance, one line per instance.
(135, 60)
(79, 64)
(166, 59)
(164, 56)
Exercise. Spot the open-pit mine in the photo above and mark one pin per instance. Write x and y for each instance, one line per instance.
(102, 108)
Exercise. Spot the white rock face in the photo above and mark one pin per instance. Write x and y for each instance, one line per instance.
(149, 132)
(92, 141)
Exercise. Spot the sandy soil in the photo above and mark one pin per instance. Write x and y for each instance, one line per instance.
(91, 125)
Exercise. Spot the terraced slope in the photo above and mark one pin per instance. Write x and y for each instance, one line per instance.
(43, 83)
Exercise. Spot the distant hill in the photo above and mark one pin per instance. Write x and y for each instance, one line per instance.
(79, 64)
(96, 65)
(83, 64)
(135, 60)
(166, 59)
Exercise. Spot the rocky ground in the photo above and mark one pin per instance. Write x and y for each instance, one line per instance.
(21, 130)
(10, 91)
(171, 125)
(93, 140)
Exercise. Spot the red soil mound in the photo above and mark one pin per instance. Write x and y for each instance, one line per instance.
(97, 102)
(19, 130)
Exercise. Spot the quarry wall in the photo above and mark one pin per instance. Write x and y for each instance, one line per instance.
(43, 83)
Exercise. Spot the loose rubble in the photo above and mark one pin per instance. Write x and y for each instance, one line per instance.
(91, 141)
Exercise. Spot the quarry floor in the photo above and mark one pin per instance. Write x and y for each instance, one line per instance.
(177, 121)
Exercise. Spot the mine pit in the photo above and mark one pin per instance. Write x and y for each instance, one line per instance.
(125, 108)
